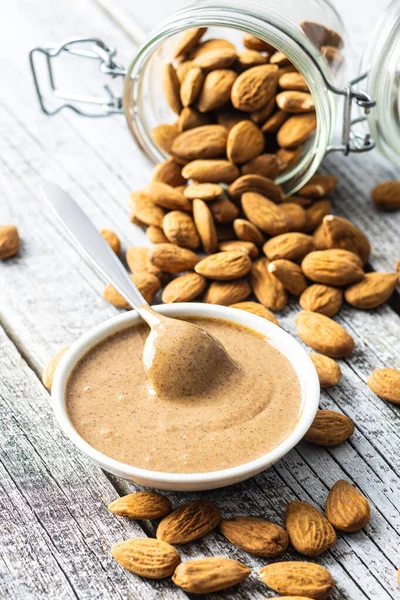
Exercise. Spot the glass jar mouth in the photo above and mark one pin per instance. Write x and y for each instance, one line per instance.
(270, 27)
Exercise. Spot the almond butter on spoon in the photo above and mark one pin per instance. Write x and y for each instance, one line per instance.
(180, 358)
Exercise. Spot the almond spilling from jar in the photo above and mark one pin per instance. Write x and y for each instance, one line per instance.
(267, 289)
(333, 267)
(224, 266)
(323, 299)
(173, 259)
(309, 531)
(167, 197)
(216, 90)
(179, 228)
(255, 87)
(208, 141)
(346, 508)
(329, 428)
(318, 186)
(296, 130)
(340, 233)
(211, 171)
(323, 334)
(245, 142)
(295, 102)
(386, 195)
(256, 536)
(147, 557)
(291, 246)
(189, 522)
(264, 214)
(289, 274)
(207, 575)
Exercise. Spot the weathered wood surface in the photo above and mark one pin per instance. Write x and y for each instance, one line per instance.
(57, 533)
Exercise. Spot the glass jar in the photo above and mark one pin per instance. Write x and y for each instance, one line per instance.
(310, 33)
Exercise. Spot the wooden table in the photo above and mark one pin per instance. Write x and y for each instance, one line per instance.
(55, 530)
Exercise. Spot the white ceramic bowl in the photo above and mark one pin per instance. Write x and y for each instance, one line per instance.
(281, 340)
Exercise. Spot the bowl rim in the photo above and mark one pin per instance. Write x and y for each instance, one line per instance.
(282, 340)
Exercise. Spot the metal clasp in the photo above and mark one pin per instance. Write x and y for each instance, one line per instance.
(351, 140)
(91, 48)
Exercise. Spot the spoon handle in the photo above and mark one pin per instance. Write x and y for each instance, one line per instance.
(93, 246)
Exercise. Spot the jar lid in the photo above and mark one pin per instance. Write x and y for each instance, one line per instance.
(381, 63)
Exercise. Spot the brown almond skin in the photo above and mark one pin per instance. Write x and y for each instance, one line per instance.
(264, 164)
(240, 246)
(321, 35)
(323, 299)
(203, 191)
(346, 508)
(50, 368)
(248, 232)
(205, 225)
(224, 266)
(298, 578)
(9, 241)
(173, 259)
(223, 210)
(265, 215)
(169, 172)
(287, 158)
(191, 86)
(329, 372)
(245, 142)
(254, 43)
(216, 90)
(309, 531)
(138, 259)
(323, 334)
(292, 246)
(143, 208)
(295, 214)
(260, 116)
(211, 44)
(155, 235)
(180, 229)
(333, 267)
(267, 289)
(184, 288)
(255, 87)
(188, 40)
(189, 522)
(316, 213)
(229, 118)
(171, 88)
(256, 536)
(329, 428)
(141, 505)
(249, 58)
(191, 118)
(211, 171)
(207, 575)
(219, 58)
(289, 274)
(342, 234)
(163, 135)
(227, 292)
(373, 291)
(208, 141)
(318, 186)
(274, 122)
(147, 557)
(147, 283)
(112, 240)
(385, 383)
(296, 130)
(386, 195)
(166, 196)
(293, 81)
(296, 102)
(257, 309)
(258, 185)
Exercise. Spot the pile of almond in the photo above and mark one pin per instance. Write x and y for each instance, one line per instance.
(307, 529)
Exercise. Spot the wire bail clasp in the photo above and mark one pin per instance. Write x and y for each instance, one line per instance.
(85, 47)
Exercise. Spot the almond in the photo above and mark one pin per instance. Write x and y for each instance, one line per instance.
(340, 233)
(256, 184)
(274, 122)
(280, 59)
(292, 101)
(333, 267)
(333, 57)
(171, 88)
(143, 208)
(265, 215)
(211, 171)
(323, 335)
(227, 292)
(260, 116)
(163, 135)
(309, 531)
(147, 284)
(224, 211)
(183, 68)
(250, 58)
(218, 58)
(318, 186)
(166, 196)
(296, 130)
(298, 578)
(208, 141)
(289, 274)
(316, 213)
(328, 370)
(386, 195)
(189, 522)
(141, 505)
(292, 246)
(155, 235)
(229, 118)
(240, 246)
(329, 428)
(245, 141)
(257, 536)
(169, 172)
(173, 259)
(147, 557)
(191, 86)
(203, 191)
(257, 309)
(112, 240)
(138, 259)
(9, 241)
(346, 508)
(180, 229)
(224, 266)
(264, 164)
(287, 159)
(254, 43)
(191, 118)
(50, 368)
(293, 81)
(321, 35)
(216, 90)
(184, 288)
(295, 214)
(255, 87)
(207, 575)
(248, 232)
(322, 299)
(385, 383)
(211, 44)
(267, 289)
(205, 225)
(372, 291)
(188, 40)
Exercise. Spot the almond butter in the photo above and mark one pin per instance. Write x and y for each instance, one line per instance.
(322, 299)
(293, 81)
(264, 214)
(342, 234)
(224, 266)
(138, 259)
(264, 164)
(208, 141)
(216, 90)
(256, 536)
(227, 292)
(166, 196)
(329, 428)
(248, 232)
(191, 86)
(328, 370)
(267, 289)
(184, 288)
(171, 88)
(207, 575)
(257, 309)
(346, 508)
(188, 40)
(386, 195)
(289, 274)
(163, 135)
(309, 531)
(147, 557)
(298, 578)
(245, 142)
(189, 522)
(254, 43)
(385, 383)
(274, 122)
(323, 335)
(296, 130)
(50, 368)
(256, 184)
(333, 267)
(211, 171)
(173, 259)
(318, 186)
(250, 58)
(112, 240)
(295, 214)
(205, 225)
(147, 284)
(292, 101)
(372, 291)
(169, 172)
(143, 208)
(218, 58)
(292, 246)
(203, 191)
(240, 246)
(9, 241)
(141, 505)
(316, 213)
(255, 87)
(155, 235)
(180, 229)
